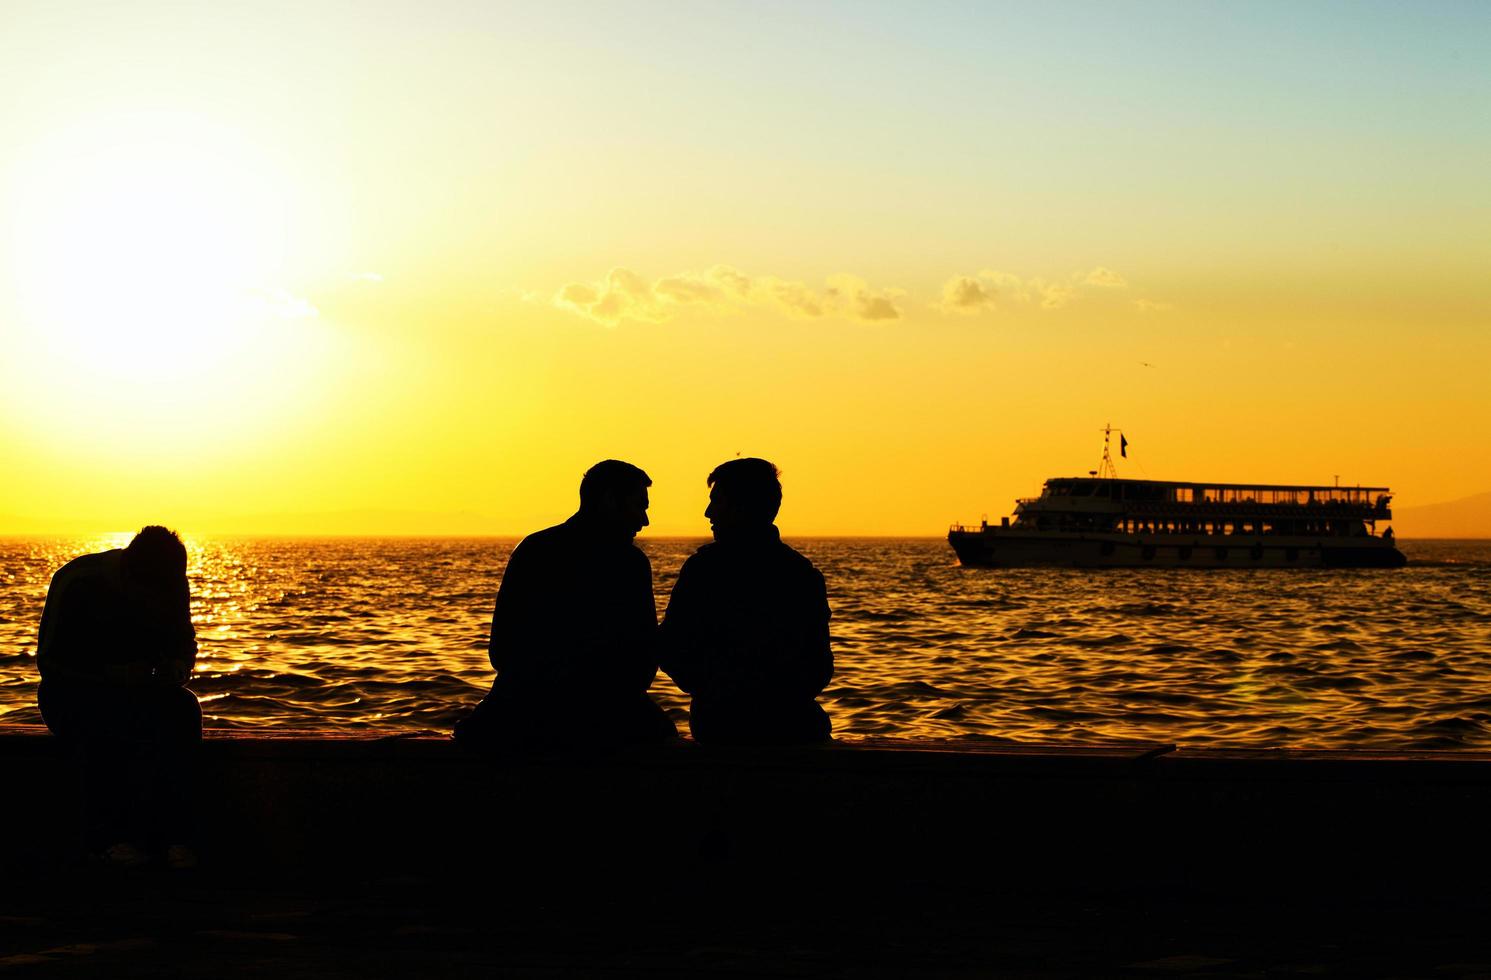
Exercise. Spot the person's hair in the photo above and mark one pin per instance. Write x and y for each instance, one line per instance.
(156, 554)
(611, 478)
(752, 486)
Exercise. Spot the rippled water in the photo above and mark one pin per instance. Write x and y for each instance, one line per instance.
(391, 634)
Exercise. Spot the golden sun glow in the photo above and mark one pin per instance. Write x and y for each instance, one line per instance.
(149, 256)
(147, 241)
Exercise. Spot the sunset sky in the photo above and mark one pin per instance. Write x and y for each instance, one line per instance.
(398, 267)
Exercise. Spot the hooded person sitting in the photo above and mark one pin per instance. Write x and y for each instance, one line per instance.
(115, 648)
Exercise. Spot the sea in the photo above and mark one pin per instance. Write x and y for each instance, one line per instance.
(390, 635)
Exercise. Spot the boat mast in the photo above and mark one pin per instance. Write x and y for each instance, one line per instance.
(1107, 471)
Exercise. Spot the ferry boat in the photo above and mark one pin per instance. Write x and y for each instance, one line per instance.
(1101, 520)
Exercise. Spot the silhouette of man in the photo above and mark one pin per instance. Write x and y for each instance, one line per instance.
(746, 629)
(573, 631)
(115, 647)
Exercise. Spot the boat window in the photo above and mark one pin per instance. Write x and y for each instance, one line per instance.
(1184, 495)
(1082, 490)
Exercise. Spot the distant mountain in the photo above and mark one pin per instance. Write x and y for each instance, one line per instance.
(1469, 517)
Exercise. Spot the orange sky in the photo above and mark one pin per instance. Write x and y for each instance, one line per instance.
(305, 268)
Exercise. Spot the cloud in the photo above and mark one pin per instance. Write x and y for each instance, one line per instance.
(967, 294)
(876, 308)
(995, 290)
(578, 295)
(1150, 306)
(737, 283)
(1107, 278)
(1053, 295)
(854, 295)
(794, 297)
(624, 295)
(688, 289)
(366, 276)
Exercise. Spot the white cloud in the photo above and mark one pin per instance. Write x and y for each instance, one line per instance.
(1107, 278)
(967, 294)
(624, 295)
(992, 289)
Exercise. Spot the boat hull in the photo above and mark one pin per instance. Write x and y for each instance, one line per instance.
(1011, 548)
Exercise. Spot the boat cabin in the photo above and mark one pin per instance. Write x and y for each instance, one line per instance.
(1105, 504)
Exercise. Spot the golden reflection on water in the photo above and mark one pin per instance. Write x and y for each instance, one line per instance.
(392, 634)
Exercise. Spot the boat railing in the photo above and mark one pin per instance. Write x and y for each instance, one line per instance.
(1372, 511)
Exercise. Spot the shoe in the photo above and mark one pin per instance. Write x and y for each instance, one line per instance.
(124, 856)
(179, 857)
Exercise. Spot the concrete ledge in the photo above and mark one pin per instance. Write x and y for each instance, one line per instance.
(1088, 817)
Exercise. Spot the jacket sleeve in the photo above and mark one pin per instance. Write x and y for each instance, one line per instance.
(642, 655)
(680, 652)
(509, 625)
(50, 658)
(181, 656)
(818, 656)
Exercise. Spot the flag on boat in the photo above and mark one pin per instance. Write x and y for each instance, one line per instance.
(1123, 446)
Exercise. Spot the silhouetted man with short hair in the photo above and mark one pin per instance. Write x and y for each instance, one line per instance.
(573, 631)
(115, 647)
(746, 630)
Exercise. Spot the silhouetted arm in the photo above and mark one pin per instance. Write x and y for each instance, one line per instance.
(679, 638)
(640, 658)
(513, 608)
(181, 654)
(50, 658)
(815, 663)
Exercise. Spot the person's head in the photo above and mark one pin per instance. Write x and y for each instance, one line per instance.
(743, 493)
(155, 561)
(615, 493)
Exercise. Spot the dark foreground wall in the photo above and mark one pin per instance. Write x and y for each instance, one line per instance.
(976, 815)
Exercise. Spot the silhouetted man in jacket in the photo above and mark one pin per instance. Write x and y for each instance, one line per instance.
(573, 631)
(746, 630)
(115, 647)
